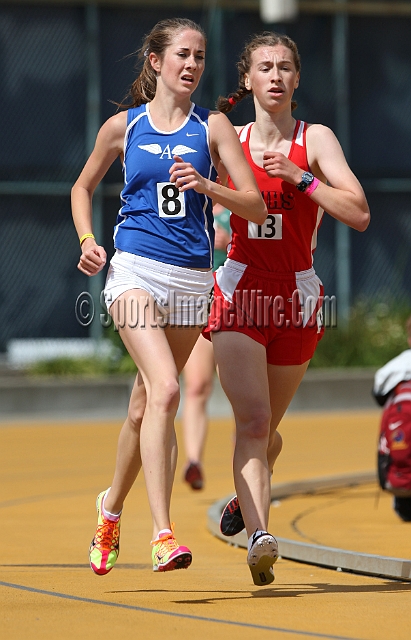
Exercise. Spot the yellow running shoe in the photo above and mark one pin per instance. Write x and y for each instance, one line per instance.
(105, 546)
(168, 555)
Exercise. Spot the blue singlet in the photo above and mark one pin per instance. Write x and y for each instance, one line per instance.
(157, 221)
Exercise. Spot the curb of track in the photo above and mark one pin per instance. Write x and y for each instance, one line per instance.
(330, 557)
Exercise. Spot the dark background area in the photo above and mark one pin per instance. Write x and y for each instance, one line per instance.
(43, 66)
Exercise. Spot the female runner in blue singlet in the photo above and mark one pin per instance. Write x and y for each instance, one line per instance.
(161, 274)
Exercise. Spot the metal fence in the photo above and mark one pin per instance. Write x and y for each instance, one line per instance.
(61, 64)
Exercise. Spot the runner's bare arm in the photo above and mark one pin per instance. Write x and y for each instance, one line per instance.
(343, 197)
(246, 201)
(108, 147)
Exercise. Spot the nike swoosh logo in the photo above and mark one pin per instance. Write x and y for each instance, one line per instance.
(394, 425)
(189, 135)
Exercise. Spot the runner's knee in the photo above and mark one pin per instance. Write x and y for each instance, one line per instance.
(256, 426)
(164, 396)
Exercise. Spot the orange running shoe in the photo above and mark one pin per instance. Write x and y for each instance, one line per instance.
(105, 546)
(168, 555)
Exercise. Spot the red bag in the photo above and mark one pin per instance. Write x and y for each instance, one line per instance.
(394, 446)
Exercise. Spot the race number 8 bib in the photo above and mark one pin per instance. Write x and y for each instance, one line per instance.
(272, 229)
(171, 201)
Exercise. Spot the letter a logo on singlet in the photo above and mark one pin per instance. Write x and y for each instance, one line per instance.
(166, 152)
(155, 149)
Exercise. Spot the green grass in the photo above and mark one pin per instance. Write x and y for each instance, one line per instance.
(89, 367)
(375, 333)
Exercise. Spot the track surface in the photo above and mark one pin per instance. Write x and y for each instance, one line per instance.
(50, 476)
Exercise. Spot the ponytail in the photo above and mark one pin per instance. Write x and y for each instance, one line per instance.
(144, 86)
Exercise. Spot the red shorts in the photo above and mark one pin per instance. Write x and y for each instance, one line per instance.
(283, 312)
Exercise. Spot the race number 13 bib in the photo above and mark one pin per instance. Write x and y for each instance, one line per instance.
(171, 202)
(272, 229)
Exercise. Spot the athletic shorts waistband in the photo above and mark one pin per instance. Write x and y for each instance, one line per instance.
(270, 275)
(162, 268)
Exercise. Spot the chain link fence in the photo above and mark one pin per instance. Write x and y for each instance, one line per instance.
(46, 111)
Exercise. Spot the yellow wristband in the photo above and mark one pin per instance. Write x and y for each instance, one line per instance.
(86, 235)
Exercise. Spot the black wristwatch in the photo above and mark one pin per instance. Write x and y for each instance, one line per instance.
(306, 180)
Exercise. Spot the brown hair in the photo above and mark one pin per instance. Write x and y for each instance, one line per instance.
(160, 37)
(408, 329)
(265, 39)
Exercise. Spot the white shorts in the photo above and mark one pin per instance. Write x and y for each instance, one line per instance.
(182, 295)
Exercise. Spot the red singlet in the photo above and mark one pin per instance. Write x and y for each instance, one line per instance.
(287, 239)
(267, 289)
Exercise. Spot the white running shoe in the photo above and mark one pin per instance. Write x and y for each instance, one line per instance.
(261, 557)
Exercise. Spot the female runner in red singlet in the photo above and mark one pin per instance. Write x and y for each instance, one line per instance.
(266, 317)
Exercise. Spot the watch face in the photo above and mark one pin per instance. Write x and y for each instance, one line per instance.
(307, 178)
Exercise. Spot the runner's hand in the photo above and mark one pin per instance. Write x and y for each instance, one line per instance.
(184, 176)
(93, 258)
(277, 165)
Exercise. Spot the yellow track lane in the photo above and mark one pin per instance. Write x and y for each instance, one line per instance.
(50, 476)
